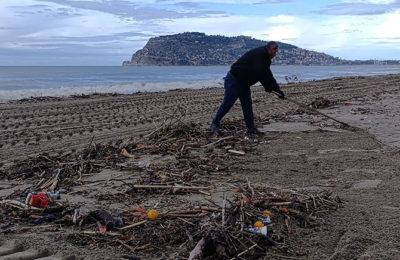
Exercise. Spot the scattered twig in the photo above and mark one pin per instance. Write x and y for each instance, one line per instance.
(245, 251)
(236, 152)
(170, 187)
(286, 257)
(133, 225)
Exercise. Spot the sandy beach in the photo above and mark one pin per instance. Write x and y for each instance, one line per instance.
(301, 151)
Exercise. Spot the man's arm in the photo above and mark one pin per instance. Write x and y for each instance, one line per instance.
(267, 79)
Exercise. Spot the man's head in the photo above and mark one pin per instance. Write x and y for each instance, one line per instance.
(272, 49)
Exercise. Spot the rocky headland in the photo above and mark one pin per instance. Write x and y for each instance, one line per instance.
(199, 49)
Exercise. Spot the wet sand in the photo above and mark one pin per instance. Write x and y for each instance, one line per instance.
(300, 151)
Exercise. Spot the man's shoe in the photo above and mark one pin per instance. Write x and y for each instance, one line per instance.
(215, 129)
(254, 131)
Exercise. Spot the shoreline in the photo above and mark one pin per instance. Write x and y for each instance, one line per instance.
(121, 90)
(63, 82)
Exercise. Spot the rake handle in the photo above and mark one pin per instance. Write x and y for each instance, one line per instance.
(314, 110)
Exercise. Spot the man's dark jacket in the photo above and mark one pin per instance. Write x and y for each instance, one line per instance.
(253, 67)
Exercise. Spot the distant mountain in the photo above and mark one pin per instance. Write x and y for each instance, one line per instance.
(199, 49)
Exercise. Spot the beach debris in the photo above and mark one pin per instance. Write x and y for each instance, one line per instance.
(360, 110)
(46, 218)
(236, 152)
(174, 188)
(152, 214)
(79, 215)
(248, 223)
(263, 230)
(125, 153)
(258, 224)
(37, 199)
(197, 252)
(105, 220)
(291, 78)
(320, 102)
(19, 205)
(133, 225)
(53, 195)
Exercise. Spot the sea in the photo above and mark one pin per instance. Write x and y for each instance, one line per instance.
(25, 82)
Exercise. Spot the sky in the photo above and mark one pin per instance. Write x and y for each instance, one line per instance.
(107, 32)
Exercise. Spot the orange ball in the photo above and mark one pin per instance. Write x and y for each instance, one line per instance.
(152, 214)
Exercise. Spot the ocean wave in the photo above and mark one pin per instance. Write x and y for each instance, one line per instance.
(6, 95)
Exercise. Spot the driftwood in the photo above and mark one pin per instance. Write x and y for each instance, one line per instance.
(187, 213)
(125, 153)
(244, 252)
(170, 187)
(86, 232)
(15, 203)
(197, 252)
(133, 225)
(236, 152)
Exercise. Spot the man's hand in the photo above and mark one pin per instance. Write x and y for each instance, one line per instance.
(281, 95)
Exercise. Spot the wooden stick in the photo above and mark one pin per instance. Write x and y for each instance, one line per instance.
(96, 233)
(185, 211)
(286, 257)
(241, 216)
(223, 208)
(197, 252)
(245, 251)
(133, 225)
(327, 201)
(125, 153)
(219, 140)
(51, 181)
(125, 245)
(285, 190)
(318, 112)
(205, 193)
(188, 222)
(21, 205)
(209, 208)
(170, 187)
(285, 203)
(187, 215)
(251, 189)
(294, 211)
(236, 152)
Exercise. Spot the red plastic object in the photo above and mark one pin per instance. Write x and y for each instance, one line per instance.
(38, 200)
(285, 210)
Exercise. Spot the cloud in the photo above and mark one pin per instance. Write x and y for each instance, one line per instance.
(140, 10)
(281, 19)
(81, 29)
(372, 7)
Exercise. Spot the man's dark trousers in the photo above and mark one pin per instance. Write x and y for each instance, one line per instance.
(233, 91)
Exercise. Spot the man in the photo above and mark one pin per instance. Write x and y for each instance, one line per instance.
(252, 67)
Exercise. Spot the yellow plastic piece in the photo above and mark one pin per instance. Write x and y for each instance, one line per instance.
(258, 224)
(266, 213)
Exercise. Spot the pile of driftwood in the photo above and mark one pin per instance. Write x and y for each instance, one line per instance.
(201, 232)
(67, 168)
(191, 145)
(232, 233)
(197, 231)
